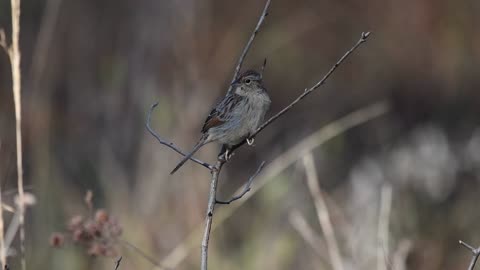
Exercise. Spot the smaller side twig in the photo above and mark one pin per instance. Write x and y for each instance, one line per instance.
(475, 254)
(117, 263)
(249, 43)
(3, 42)
(170, 144)
(246, 189)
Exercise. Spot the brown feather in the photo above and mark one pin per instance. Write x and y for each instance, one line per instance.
(212, 121)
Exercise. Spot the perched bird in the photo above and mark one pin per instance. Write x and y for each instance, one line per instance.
(235, 117)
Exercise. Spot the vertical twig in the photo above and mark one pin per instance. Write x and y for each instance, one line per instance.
(13, 53)
(209, 214)
(383, 225)
(322, 212)
(249, 43)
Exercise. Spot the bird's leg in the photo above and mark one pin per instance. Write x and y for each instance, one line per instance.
(250, 141)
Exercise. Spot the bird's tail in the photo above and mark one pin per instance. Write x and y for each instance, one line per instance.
(201, 143)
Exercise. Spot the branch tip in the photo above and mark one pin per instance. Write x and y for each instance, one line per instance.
(3, 41)
(261, 19)
(472, 249)
(365, 35)
(169, 144)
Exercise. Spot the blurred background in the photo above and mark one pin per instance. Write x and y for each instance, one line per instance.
(91, 69)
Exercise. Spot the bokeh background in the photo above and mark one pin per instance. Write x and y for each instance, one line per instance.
(92, 68)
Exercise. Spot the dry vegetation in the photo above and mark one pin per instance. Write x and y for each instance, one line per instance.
(379, 169)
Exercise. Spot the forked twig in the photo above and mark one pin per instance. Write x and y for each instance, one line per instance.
(247, 187)
(475, 254)
(276, 166)
(215, 170)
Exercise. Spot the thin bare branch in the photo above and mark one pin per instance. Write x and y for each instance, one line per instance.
(247, 187)
(217, 168)
(362, 39)
(322, 212)
(475, 254)
(210, 209)
(14, 54)
(117, 263)
(170, 144)
(249, 43)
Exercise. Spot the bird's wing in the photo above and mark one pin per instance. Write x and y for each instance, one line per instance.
(221, 113)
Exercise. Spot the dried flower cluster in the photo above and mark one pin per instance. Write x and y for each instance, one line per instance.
(98, 233)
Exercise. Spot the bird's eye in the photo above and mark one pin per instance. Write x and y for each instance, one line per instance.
(248, 81)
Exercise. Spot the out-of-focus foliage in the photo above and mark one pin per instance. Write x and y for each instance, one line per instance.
(92, 68)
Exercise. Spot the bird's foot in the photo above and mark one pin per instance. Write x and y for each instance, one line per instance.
(228, 155)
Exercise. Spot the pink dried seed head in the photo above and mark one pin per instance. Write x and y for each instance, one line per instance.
(57, 239)
(75, 222)
(94, 229)
(101, 216)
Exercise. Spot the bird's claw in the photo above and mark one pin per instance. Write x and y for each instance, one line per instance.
(228, 155)
(250, 141)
